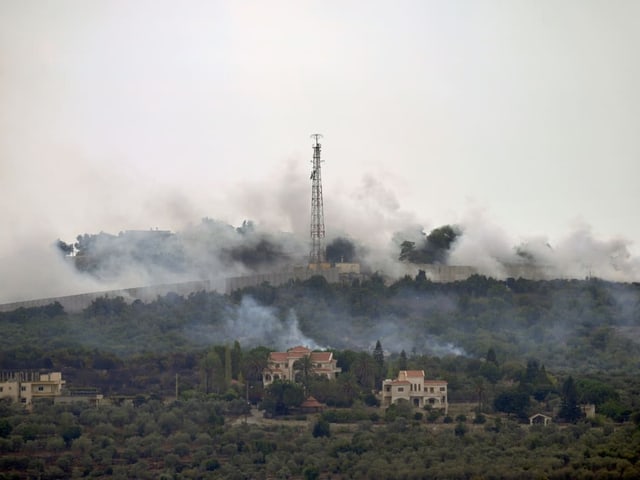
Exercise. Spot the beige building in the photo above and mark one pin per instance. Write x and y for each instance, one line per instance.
(25, 387)
(281, 365)
(412, 387)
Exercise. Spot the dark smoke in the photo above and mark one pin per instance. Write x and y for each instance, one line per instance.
(341, 250)
(434, 248)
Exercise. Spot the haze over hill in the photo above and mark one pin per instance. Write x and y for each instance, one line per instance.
(214, 251)
(515, 122)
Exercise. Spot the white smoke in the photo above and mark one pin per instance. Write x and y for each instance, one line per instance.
(253, 324)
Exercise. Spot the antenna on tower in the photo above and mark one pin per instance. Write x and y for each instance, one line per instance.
(317, 255)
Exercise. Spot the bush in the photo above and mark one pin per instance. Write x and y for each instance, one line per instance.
(344, 416)
(433, 416)
(460, 430)
(211, 465)
(371, 400)
(322, 429)
(479, 419)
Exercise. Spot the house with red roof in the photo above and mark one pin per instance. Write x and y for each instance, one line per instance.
(412, 387)
(280, 365)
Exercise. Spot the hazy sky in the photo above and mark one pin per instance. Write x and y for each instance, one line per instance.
(121, 115)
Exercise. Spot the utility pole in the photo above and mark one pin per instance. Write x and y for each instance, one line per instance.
(317, 255)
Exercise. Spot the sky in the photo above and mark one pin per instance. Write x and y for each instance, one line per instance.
(515, 119)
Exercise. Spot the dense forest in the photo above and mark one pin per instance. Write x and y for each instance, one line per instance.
(508, 349)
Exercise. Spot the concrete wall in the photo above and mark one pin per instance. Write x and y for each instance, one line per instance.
(332, 275)
(77, 303)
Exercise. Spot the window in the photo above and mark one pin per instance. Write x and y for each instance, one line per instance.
(40, 388)
(1, 389)
(401, 389)
(23, 388)
(431, 390)
(387, 388)
(442, 389)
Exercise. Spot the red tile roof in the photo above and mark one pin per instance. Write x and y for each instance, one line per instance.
(299, 349)
(321, 356)
(278, 356)
(311, 402)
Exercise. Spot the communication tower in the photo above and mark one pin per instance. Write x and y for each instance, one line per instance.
(317, 255)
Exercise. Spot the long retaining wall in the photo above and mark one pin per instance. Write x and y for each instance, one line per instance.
(335, 274)
(77, 303)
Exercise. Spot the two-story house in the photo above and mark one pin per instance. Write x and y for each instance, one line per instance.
(27, 386)
(281, 365)
(412, 387)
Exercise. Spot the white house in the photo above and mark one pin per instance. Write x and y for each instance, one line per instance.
(281, 365)
(412, 387)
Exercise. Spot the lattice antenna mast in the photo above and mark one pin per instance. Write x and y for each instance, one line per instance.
(317, 210)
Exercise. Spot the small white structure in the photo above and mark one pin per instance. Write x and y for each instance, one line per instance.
(412, 387)
(539, 419)
(588, 409)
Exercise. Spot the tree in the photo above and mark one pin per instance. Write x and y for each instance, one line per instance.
(402, 361)
(281, 396)
(5, 428)
(491, 356)
(227, 366)
(378, 358)
(70, 433)
(512, 401)
(236, 359)
(569, 409)
(594, 391)
(303, 370)
(364, 369)
(322, 428)
(479, 387)
(66, 248)
(407, 251)
(254, 363)
(211, 372)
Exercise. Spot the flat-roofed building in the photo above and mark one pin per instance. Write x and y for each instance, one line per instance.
(27, 386)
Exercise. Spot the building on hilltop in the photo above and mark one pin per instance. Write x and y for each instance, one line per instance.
(281, 365)
(27, 386)
(412, 387)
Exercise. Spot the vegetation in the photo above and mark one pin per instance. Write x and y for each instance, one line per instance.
(507, 349)
(203, 438)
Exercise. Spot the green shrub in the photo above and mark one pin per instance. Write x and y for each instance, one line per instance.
(479, 419)
(322, 428)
